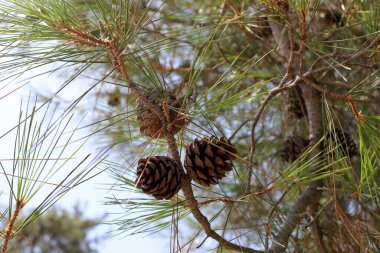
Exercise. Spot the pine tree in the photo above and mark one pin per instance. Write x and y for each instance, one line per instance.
(252, 73)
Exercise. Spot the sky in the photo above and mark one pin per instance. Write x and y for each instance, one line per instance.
(89, 195)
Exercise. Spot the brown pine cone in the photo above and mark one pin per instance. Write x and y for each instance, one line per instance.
(208, 160)
(292, 147)
(159, 176)
(150, 124)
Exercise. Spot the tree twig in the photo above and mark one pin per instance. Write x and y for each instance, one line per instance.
(292, 55)
(349, 58)
(227, 201)
(8, 232)
(275, 207)
(309, 196)
(119, 64)
(270, 96)
(312, 193)
(193, 204)
(347, 98)
(203, 221)
(316, 230)
(82, 38)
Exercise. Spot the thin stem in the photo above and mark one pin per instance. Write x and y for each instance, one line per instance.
(347, 98)
(82, 38)
(354, 56)
(8, 233)
(316, 230)
(271, 95)
(226, 201)
(203, 221)
(270, 216)
(193, 204)
(311, 195)
(292, 55)
(308, 197)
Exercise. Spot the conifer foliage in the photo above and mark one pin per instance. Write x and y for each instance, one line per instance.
(257, 120)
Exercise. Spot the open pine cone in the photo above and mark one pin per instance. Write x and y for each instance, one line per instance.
(150, 124)
(208, 160)
(159, 176)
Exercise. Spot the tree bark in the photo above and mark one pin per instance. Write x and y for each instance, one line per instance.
(313, 101)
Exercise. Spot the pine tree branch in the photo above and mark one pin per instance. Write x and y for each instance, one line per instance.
(193, 204)
(347, 98)
(312, 97)
(348, 59)
(308, 197)
(118, 62)
(82, 38)
(317, 233)
(292, 56)
(262, 107)
(270, 96)
(8, 233)
(203, 221)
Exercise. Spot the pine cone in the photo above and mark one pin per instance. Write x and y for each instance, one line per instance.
(292, 147)
(344, 142)
(159, 176)
(150, 124)
(295, 104)
(208, 160)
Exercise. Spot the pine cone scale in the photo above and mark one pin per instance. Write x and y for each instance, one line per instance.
(219, 161)
(196, 150)
(188, 161)
(201, 175)
(159, 176)
(149, 122)
(198, 162)
(228, 166)
(220, 172)
(208, 163)
(207, 160)
(208, 151)
(212, 173)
